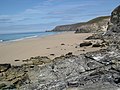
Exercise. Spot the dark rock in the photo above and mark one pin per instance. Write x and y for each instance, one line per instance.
(117, 80)
(27, 60)
(72, 84)
(32, 66)
(40, 60)
(92, 37)
(10, 87)
(83, 30)
(115, 17)
(83, 50)
(76, 46)
(62, 44)
(47, 48)
(70, 53)
(52, 67)
(52, 54)
(114, 25)
(17, 60)
(4, 67)
(95, 36)
(85, 44)
(96, 45)
(2, 85)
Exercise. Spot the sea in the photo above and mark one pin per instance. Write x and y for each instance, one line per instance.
(21, 36)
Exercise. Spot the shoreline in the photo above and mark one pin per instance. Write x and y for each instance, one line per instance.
(28, 37)
(51, 46)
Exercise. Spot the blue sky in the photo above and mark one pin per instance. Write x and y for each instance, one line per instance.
(41, 15)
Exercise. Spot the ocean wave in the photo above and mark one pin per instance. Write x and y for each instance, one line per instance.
(31, 37)
(1, 40)
(18, 37)
(22, 38)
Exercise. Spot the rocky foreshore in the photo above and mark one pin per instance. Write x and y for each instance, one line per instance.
(98, 70)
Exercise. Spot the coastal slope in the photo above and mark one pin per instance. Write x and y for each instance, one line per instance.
(94, 25)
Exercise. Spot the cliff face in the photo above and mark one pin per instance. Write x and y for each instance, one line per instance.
(114, 25)
(113, 31)
(97, 24)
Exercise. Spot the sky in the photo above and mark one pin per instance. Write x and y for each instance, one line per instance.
(41, 15)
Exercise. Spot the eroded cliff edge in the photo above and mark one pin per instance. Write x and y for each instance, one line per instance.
(95, 25)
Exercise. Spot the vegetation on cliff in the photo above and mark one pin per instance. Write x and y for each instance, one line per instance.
(96, 24)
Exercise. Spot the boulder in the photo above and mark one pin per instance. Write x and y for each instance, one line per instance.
(70, 53)
(83, 30)
(40, 60)
(16, 60)
(73, 84)
(95, 36)
(2, 85)
(85, 44)
(4, 67)
(96, 45)
(52, 54)
(62, 44)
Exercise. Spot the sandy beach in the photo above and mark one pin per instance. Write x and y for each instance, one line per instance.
(51, 46)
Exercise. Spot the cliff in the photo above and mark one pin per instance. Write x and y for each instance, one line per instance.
(114, 25)
(96, 24)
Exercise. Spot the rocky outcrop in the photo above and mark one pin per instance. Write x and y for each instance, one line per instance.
(95, 25)
(40, 60)
(95, 36)
(113, 32)
(114, 25)
(13, 77)
(94, 69)
(115, 21)
(4, 67)
(85, 44)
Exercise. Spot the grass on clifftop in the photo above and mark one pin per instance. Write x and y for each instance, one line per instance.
(97, 19)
